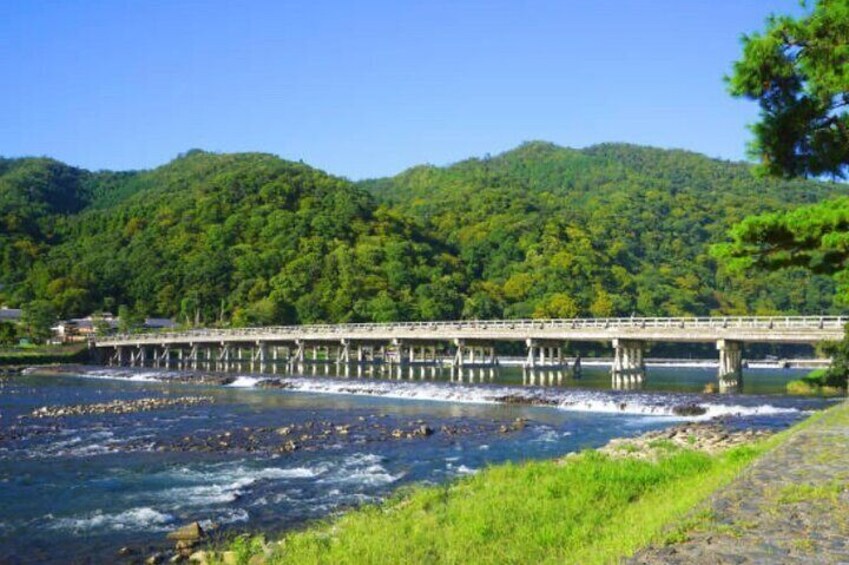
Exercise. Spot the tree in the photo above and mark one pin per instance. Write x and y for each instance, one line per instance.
(798, 71)
(37, 319)
(128, 319)
(8, 334)
(557, 305)
(815, 237)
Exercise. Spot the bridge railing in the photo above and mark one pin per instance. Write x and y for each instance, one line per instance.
(727, 322)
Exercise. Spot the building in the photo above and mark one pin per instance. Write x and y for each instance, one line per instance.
(12, 315)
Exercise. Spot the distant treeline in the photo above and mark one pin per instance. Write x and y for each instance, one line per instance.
(252, 239)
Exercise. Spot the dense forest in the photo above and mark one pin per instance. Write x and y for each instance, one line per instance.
(537, 231)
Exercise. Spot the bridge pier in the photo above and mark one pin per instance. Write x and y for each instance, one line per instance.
(224, 355)
(628, 364)
(163, 356)
(544, 354)
(467, 355)
(460, 353)
(259, 352)
(730, 363)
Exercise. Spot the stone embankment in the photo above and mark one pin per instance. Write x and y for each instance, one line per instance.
(790, 506)
(119, 406)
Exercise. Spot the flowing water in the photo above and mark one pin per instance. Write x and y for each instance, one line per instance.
(76, 488)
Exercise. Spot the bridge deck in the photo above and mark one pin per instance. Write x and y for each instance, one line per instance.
(784, 329)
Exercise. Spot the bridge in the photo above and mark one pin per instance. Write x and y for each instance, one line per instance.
(466, 343)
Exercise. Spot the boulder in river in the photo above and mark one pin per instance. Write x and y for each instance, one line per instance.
(190, 532)
(689, 410)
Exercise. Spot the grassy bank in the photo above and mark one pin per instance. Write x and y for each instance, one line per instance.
(590, 508)
(818, 382)
(39, 355)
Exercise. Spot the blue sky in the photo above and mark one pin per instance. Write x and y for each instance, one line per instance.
(364, 88)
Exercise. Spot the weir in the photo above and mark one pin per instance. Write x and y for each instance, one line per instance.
(468, 344)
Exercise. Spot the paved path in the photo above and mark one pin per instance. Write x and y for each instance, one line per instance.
(791, 506)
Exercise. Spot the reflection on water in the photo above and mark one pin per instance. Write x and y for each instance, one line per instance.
(761, 380)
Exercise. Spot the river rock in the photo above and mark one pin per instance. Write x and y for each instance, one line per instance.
(689, 410)
(154, 559)
(199, 558)
(190, 532)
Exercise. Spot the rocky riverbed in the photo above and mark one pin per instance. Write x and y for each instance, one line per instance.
(119, 406)
(316, 435)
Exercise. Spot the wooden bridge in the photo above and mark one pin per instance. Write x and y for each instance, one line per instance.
(466, 343)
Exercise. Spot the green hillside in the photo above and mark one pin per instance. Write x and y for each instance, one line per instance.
(612, 229)
(253, 239)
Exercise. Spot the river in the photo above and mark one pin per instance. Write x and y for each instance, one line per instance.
(77, 488)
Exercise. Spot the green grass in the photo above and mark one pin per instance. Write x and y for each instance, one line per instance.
(810, 493)
(42, 354)
(588, 509)
(593, 509)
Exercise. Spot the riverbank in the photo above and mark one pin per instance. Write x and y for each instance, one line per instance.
(12, 360)
(597, 506)
(790, 506)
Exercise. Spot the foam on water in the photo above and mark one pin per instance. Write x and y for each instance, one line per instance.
(124, 375)
(224, 484)
(362, 469)
(634, 403)
(142, 518)
(244, 382)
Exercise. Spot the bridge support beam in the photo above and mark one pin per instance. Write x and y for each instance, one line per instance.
(730, 363)
(628, 364)
(259, 352)
(117, 357)
(544, 354)
(162, 356)
(460, 353)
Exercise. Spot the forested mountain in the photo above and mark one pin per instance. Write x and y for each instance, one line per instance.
(253, 239)
(612, 229)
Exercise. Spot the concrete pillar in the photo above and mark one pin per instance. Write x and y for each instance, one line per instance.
(531, 360)
(259, 352)
(460, 355)
(730, 363)
(628, 364)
